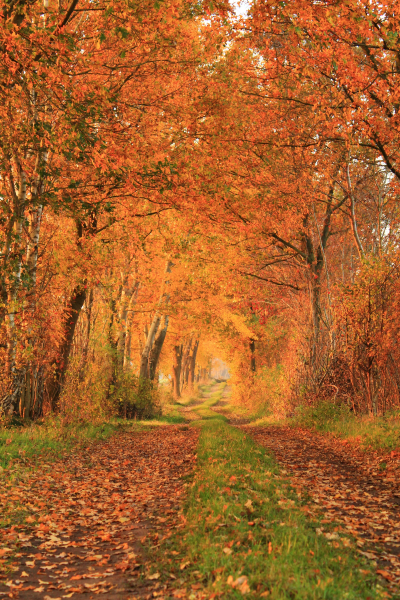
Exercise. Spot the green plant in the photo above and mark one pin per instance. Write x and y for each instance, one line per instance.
(134, 397)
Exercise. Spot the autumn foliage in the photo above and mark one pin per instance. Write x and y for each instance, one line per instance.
(179, 183)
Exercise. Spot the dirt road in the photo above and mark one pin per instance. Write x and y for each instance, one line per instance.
(90, 513)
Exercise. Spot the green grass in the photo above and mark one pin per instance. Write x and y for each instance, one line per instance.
(377, 433)
(51, 439)
(172, 419)
(245, 532)
(204, 410)
(48, 438)
(205, 388)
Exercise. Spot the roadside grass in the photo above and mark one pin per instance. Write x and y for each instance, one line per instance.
(48, 438)
(245, 533)
(375, 433)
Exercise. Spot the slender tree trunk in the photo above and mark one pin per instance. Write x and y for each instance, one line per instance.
(192, 365)
(185, 362)
(157, 347)
(84, 229)
(353, 219)
(127, 301)
(9, 403)
(86, 340)
(128, 325)
(145, 355)
(252, 355)
(176, 372)
(144, 361)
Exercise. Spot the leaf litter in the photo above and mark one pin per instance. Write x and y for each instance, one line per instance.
(345, 484)
(94, 518)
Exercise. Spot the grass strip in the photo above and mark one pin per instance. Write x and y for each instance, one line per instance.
(204, 410)
(245, 533)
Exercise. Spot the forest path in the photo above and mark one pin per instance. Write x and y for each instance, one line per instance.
(209, 395)
(360, 489)
(229, 411)
(90, 513)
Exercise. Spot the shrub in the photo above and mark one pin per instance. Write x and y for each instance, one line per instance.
(135, 398)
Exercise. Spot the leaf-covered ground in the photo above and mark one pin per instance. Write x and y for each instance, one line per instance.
(108, 521)
(357, 488)
(91, 517)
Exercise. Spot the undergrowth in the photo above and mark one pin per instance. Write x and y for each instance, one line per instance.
(245, 532)
(377, 433)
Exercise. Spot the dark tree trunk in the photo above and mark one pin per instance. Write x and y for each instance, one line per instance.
(252, 355)
(156, 350)
(176, 372)
(71, 317)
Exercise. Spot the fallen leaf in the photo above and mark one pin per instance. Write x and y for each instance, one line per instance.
(385, 574)
(242, 584)
(30, 519)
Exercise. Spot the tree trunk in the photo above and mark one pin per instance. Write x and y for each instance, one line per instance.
(71, 316)
(85, 349)
(145, 355)
(185, 362)
(127, 301)
(252, 355)
(156, 350)
(128, 325)
(176, 372)
(144, 361)
(192, 365)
